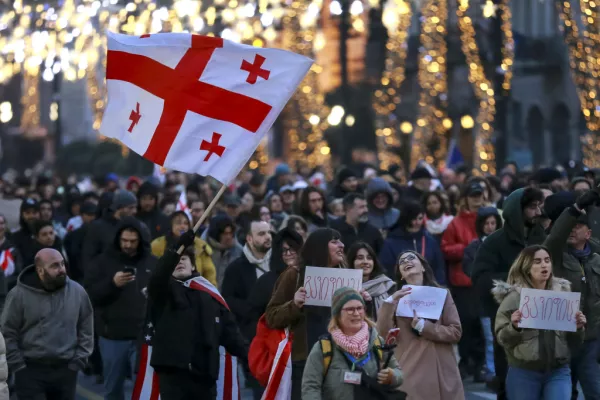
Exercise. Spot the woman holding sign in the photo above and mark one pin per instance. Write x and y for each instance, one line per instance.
(538, 359)
(424, 345)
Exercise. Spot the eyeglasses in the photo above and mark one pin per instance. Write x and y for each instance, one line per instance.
(289, 251)
(354, 310)
(406, 260)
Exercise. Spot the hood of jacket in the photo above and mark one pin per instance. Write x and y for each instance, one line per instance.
(30, 280)
(148, 188)
(502, 289)
(482, 214)
(376, 186)
(514, 223)
(135, 224)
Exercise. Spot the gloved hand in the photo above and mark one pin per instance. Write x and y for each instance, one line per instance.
(588, 199)
(186, 240)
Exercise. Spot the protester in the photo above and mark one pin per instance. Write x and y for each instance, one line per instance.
(148, 211)
(380, 201)
(313, 209)
(102, 231)
(421, 183)
(579, 262)
(190, 325)
(298, 224)
(180, 223)
(497, 253)
(437, 217)
(74, 242)
(410, 234)
(197, 208)
(425, 347)
(220, 235)
(323, 248)
(459, 234)
(46, 300)
(488, 221)
(45, 237)
(352, 341)
(355, 226)
(23, 239)
(538, 359)
(346, 183)
(47, 214)
(374, 281)
(115, 284)
(275, 206)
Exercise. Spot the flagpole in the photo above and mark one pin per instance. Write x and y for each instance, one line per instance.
(206, 212)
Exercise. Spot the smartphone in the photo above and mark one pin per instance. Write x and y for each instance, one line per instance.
(391, 337)
(131, 270)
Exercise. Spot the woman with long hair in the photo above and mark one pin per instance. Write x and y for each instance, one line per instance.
(437, 216)
(323, 248)
(352, 338)
(375, 281)
(180, 223)
(538, 360)
(425, 347)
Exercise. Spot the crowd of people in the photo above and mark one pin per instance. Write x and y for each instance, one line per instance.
(92, 262)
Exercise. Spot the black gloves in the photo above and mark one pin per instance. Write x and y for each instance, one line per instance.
(588, 199)
(186, 239)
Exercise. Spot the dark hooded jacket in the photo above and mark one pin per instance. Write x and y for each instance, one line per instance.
(156, 221)
(120, 312)
(381, 219)
(501, 248)
(471, 250)
(399, 240)
(23, 239)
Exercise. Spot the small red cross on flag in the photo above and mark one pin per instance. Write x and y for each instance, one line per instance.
(194, 103)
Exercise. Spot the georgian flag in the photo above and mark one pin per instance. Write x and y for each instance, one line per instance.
(147, 382)
(280, 379)
(193, 103)
(7, 262)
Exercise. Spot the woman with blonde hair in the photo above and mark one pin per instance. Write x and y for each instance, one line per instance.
(352, 368)
(425, 347)
(538, 359)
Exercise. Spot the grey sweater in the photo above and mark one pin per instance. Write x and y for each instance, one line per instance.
(48, 327)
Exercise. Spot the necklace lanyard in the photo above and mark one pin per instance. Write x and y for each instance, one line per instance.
(358, 362)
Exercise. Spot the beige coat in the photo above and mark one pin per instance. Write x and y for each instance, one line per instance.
(428, 362)
(3, 370)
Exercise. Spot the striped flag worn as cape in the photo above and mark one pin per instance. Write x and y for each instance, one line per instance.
(146, 384)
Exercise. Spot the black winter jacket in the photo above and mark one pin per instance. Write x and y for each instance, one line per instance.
(157, 222)
(365, 233)
(120, 312)
(190, 325)
(73, 246)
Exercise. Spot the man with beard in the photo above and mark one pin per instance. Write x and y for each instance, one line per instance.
(47, 326)
(115, 283)
(521, 213)
(240, 278)
(23, 238)
(355, 226)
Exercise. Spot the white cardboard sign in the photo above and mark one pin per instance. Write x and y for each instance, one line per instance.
(546, 309)
(426, 300)
(321, 283)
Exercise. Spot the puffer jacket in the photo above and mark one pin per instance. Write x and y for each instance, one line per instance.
(458, 235)
(4, 395)
(204, 262)
(532, 349)
(583, 273)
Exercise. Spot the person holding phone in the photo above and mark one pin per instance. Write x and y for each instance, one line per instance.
(115, 283)
(424, 347)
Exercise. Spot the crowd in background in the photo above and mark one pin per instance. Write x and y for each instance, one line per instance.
(482, 237)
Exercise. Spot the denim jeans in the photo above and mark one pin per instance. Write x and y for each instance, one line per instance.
(118, 357)
(523, 384)
(586, 370)
(486, 325)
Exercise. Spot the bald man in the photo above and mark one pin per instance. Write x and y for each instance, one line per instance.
(47, 325)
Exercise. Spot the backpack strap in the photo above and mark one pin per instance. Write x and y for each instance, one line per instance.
(325, 341)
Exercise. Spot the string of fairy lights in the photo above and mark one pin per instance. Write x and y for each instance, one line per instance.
(583, 61)
(397, 19)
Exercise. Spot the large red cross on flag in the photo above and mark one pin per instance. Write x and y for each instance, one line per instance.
(193, 103)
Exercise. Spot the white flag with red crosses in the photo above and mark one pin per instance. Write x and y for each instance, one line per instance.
(193, 103)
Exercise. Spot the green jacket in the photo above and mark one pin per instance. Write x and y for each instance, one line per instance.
(499, 250)
(532, 349)
(583, 274)
(315, 386)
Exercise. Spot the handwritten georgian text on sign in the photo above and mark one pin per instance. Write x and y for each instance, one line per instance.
(546, 309)
(320, 283)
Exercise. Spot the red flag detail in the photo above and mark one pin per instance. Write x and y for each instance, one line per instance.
(213, 147)
(254, 70)
(134, 117)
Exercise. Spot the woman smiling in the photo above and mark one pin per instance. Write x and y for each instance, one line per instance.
(424, 346)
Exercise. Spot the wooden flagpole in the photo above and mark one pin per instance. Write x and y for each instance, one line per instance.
(206, 212)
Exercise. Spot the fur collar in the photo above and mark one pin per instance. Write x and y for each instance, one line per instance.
(502, 289)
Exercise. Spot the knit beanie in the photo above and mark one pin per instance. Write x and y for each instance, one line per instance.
(122, 199)
(420, 173)
(341, 296)
(344, 174)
